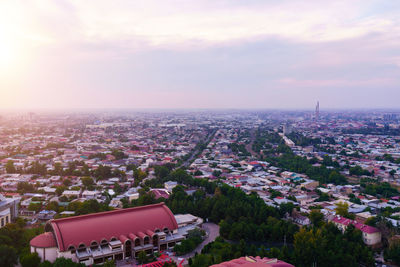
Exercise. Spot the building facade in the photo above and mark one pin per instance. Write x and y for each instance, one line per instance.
(370, 235)
(118, 234)
(8, 210)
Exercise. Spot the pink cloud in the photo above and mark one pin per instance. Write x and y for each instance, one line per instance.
(313, 83)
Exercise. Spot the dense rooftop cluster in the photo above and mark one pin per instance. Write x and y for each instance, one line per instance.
(343, 166)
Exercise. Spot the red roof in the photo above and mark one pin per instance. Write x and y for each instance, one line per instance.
(45, 240)
(366, 228)
(360, 226)
(73, 231)
(253, 262)
(159, 193)
(342, 220)
(156, 263)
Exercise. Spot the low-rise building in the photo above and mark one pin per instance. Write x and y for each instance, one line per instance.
(8, 210)
(170, 185)
(370, 235)
(117, 235)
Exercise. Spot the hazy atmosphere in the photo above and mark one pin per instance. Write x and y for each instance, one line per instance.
(199, 133)
(199, 54)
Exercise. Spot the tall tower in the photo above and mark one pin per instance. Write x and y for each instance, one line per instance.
(317, 111)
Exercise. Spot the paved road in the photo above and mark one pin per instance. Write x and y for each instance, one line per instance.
(249, 146)
(212, 231)
(206, 141)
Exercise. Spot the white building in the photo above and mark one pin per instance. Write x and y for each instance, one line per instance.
(8, 210)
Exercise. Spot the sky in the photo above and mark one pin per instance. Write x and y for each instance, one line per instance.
(289, 54)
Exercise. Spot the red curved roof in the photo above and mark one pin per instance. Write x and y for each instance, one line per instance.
(86, 228)
(45, 240)
(132, 236)
(123, 238)
(141, 235)
(253, 262)
(149, 233)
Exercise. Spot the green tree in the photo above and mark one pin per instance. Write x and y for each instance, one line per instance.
(198, 173)
(60, 189)
(25, 187)
(52, 205)
(110, 263)
(142, 257)
(342, 209)
(316, 217)
(85, 170)
(58, 169)
(67, 182)
(139, 175)
(30, 260)
(87, 181)
(37, 168)
(161, 172)
(118, 154)
(35, 206)
(103, 172)
(10, 167)
(63, 262)
(46, 264)
(8, 256)
(393, 253)
(117, 188)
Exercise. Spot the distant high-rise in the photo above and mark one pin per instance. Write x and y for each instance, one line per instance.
(317, 111)
(287, 128)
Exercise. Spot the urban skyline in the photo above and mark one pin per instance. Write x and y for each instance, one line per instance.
(187, 133)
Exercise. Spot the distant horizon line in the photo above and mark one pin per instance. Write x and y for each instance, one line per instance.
(322, 110)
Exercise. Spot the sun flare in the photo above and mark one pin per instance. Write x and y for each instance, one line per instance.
(8, 52)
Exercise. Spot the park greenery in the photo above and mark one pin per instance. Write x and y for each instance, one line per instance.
(301, 140)
(379, 189)
(272, 149)
(14, 242)
(290, 161)
(324, 245)
(194, 238)
(240, 149)
(392, 254)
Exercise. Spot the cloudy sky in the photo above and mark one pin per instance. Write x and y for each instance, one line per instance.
(199, 54)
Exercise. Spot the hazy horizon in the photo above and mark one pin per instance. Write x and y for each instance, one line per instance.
(81, 55)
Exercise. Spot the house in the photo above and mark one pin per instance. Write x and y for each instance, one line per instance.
(46, 215)
(170, 185)
(91, 194)
(160, 193)
(300, 219)
(370, 235)
(8, 210)
(71, 193)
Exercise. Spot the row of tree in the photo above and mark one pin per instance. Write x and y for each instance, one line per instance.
(317, 246)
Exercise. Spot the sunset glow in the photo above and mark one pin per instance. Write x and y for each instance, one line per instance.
(139, 49)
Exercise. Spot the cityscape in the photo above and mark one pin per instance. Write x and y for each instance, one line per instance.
(293, 170)
(189, 133)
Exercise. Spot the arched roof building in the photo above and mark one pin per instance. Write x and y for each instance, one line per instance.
(142, 228)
